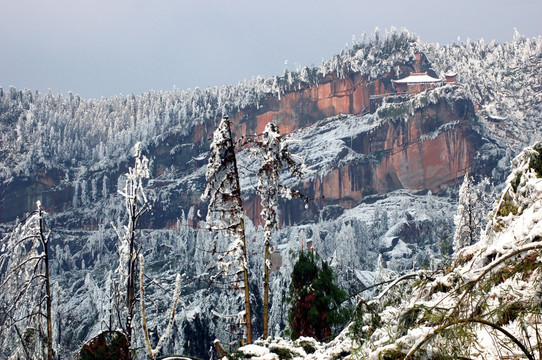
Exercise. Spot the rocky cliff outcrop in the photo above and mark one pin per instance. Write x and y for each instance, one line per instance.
(429, 149)
(332, 95)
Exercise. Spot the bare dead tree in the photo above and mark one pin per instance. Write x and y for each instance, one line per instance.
(225, 212)
(25, 285)
(275, 156)
(136, 205)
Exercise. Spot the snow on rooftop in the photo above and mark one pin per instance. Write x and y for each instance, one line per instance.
(417, 78)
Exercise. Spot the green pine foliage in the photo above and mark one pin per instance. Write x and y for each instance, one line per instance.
(106, 345)
(315, 299)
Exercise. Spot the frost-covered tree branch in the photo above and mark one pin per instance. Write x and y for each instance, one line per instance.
(153, 352)
(225, 212)
(25, 290)
(136, 205)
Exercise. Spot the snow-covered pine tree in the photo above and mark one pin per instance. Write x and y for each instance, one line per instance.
(467, 220)
(225, 213)
(25, 290)
(275, 156)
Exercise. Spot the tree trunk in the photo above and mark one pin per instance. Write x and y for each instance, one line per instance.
(48, 303)
(266, 290)
(130, 299)
(248, 318)
(237, 194)
(130, 287)
(142, 303)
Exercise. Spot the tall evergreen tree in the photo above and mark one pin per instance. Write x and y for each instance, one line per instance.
(314, 298)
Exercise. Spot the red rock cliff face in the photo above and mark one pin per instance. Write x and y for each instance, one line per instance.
(432, 150)
(332, 96)
(302, 107)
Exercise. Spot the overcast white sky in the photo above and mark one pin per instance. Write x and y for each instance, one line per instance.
(107, 47)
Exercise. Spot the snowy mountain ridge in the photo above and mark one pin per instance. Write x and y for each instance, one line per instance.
(36, 127)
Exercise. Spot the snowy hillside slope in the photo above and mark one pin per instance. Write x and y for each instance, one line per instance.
(78, 149)
(405, 226)
(486, 303)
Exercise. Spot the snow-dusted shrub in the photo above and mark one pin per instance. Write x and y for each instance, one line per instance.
(523, 185)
